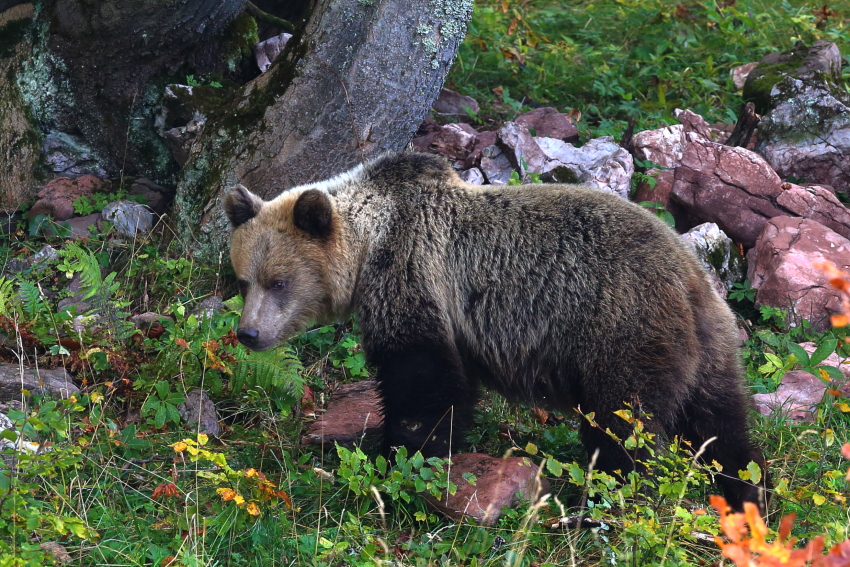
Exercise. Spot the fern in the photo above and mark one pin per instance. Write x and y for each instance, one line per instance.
(277, 369)
(7, 291)
(101, 291)
(32, 299)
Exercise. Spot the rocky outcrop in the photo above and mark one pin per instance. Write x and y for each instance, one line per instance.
(717, 253)
(781, 268)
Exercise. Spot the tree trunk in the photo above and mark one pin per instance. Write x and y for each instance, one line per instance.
(355, 83)
(110, 50)
(20, 141)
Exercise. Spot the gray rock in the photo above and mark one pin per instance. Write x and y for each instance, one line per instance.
(451, 103)
(53, 381)
(70, 155)
(473, 176)
(208, 307)
(199, 413)
(267, 50)
(717, 253)
(807, 134)
(129, 218)
(521, 149)
(149, 319)
(600, 163)
(20, 444)
(46, 254)
(495, 165)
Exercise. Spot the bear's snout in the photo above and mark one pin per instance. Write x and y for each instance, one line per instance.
(248, 336)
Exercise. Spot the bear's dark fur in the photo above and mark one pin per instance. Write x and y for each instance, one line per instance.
(560, 296)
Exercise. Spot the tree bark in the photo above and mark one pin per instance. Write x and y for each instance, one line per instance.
(356, 82)
(109, 52)
(20, 141)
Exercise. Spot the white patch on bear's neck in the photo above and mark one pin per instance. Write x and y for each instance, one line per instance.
(343, 181)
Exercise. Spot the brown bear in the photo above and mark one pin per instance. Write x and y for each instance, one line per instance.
(561, 296)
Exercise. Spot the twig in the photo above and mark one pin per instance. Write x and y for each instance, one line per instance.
(747, 122)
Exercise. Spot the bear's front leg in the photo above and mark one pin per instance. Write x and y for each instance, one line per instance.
(428, 399)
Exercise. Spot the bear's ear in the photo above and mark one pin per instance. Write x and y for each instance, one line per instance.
(313, 213)
(241, 205)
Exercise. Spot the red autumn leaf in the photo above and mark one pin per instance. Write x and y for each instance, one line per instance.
(182, 343)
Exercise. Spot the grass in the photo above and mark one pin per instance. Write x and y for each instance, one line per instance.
(638, 59)
(120, 481)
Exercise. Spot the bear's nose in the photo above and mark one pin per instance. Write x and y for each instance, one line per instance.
(247, 335)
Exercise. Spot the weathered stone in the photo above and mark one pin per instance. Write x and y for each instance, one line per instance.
(521, 149)
(267, 50)
(70, 156)
(740, 73)
(156, 196)
(75, 301)
(454, 141)
(821, 62)
(57, 551)
(693, 122)
(716, 253)
(547, 122)
(483, 140)
(149, 319)
(730, 186)
(208, 307)
(663, 146)
(198, 411)
(807, 134)
(79, 227)
(19, 136)
(815, 203)
(45, 381)
(499, 483)
(46, 254)
(20, 444)
(780, 268)
(57, 197)
(353, 413)
(660, 193)
(495, 165)
(796, 397)
(455, 104)
(600, 163)
(473, 176)
(129, 218)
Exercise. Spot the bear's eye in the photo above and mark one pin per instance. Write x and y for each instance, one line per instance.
(278, 285)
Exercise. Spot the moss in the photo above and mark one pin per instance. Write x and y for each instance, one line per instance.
(238, 40)
(11, 34)
(226, 135)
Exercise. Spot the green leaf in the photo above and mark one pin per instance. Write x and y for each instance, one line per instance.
(554, 467)
(825, 349)
(800, 353)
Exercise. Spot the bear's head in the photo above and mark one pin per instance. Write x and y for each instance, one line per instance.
(283, 254)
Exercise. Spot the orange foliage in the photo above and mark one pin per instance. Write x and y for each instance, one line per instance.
(747, 546)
